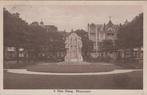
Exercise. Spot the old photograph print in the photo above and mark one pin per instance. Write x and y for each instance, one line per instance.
(73, 47)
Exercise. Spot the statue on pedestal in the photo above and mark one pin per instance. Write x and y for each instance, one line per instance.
(73, 45)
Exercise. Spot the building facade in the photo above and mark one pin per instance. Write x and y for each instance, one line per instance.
(97, 33)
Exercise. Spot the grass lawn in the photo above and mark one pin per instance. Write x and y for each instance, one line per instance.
(71, 68)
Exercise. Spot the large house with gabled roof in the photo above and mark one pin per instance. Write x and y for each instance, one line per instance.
(97, 33)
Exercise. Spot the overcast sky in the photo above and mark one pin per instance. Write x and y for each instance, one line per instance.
(67, 17)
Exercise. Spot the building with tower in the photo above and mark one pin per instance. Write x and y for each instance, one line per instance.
(97, 33)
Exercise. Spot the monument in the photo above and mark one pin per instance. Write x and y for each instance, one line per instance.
(73, 45)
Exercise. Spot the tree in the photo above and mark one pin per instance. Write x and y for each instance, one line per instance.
(14, 31)
(131, 35)
(87, 44)
(107, 46)
(35, 38)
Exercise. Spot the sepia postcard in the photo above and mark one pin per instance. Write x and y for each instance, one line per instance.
(73, 47)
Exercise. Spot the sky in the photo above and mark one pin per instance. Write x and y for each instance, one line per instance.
(68, 17)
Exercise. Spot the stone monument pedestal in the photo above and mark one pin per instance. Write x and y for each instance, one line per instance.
(73, 45)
